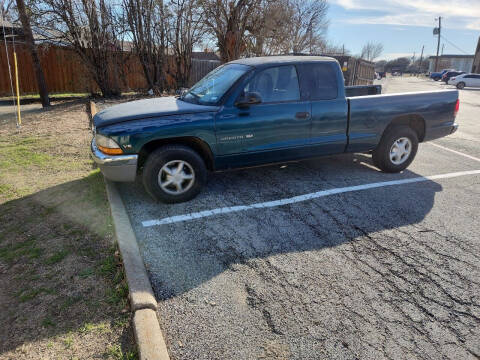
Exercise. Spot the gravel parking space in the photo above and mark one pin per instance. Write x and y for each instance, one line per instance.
(388, 272)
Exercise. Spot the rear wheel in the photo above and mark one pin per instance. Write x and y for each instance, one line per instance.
(174, 174)
(460, 85)
(396, 150)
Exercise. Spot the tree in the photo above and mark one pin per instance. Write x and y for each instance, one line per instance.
(307, 26)
(399, 64)
(227, 21)
(27, 32)
(186, 29)
(147, 21)
(5, 8)
(371, 51)
(286, 26)
(90, 27)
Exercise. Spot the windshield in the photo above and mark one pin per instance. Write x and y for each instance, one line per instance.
(215, 84)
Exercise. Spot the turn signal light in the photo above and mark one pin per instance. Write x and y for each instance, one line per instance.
(110, 151)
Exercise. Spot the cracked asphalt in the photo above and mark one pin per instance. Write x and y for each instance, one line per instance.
(386, 273)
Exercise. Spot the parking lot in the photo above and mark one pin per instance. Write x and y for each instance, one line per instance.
(252, 269)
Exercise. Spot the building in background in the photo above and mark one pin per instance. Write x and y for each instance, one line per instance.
(476, 61)
(457, 62)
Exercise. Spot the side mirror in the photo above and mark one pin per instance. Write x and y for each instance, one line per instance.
(250, 98)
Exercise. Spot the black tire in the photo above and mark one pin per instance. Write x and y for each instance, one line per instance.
(381, 155)
(460, 85)
(170, 153)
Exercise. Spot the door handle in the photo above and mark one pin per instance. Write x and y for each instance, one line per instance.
(302, 115)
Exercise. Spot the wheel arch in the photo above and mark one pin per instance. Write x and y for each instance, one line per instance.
(195, 143)
(414, 121)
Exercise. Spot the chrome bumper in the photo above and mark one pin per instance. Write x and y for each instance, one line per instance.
(115, 167)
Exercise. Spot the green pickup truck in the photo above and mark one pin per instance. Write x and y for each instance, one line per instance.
(259, 111)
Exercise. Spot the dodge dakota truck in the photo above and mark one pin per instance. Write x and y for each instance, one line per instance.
(262, 110)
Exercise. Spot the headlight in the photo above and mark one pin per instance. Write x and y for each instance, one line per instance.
(107, 145)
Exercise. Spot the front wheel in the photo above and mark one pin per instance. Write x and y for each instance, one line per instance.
(174, 174)
(396, 150)
(460, 85)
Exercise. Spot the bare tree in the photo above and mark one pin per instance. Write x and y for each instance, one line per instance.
(266, 32)
(90, 27)
(371, 51)
(286, 26)
(5, 9)
(307, 26)
(185, 31)
(27, 33)
(228, 21)
(146, 21)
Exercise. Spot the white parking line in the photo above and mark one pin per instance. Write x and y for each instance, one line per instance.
(454, 151)
(295, 199)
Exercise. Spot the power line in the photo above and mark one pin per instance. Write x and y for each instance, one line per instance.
(455, 46)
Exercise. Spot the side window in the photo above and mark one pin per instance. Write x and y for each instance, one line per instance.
(468, 77)
(276, 84)
(319, 81)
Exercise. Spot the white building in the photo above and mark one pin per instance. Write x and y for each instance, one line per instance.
(457, 62)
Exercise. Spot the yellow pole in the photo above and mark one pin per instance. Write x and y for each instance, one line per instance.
(18, 91)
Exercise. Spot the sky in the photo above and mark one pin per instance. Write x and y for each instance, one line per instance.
(403, 26)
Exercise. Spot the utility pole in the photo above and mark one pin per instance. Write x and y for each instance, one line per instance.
(438, 43)
(443, 46)
(421, 59)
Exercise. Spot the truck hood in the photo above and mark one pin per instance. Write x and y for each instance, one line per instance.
(147, 108)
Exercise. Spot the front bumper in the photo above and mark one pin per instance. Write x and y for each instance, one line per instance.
(115, 167)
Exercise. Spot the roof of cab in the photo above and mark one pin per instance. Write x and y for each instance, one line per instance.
(265, 60)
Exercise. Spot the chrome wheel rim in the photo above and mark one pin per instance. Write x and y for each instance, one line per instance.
(176, 177)
(400, 151)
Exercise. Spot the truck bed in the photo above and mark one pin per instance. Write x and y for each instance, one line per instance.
(370, 115)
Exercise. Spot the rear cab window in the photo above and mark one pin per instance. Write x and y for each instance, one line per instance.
(318, 81)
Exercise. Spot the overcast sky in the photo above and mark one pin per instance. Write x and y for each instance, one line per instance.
(403, 26)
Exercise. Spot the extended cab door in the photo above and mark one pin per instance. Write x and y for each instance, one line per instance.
(281, 121)
(322, 84)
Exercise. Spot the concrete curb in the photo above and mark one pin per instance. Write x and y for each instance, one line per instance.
(149, 337)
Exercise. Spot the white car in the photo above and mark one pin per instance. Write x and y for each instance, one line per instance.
(463, 80)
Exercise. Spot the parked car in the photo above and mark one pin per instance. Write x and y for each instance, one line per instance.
(259, 111)
(450, 74)
(438, 75)
(465, 80)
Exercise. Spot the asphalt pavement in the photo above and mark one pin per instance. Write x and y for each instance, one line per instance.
(386, 272)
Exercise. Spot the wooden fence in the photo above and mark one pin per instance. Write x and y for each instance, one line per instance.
(66, 73)
(200, 68)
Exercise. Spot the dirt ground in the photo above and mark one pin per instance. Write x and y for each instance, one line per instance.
(63, 293)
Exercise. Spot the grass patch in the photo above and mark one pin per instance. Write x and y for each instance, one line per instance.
(115, 352)
(108, 267)
(86, 272)
(54, 211)
(24, 152)
(68, 341)
(57, 257)
(48, 322)
(90, 327)
(27, 295)
(14, 252)
(72, 300)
